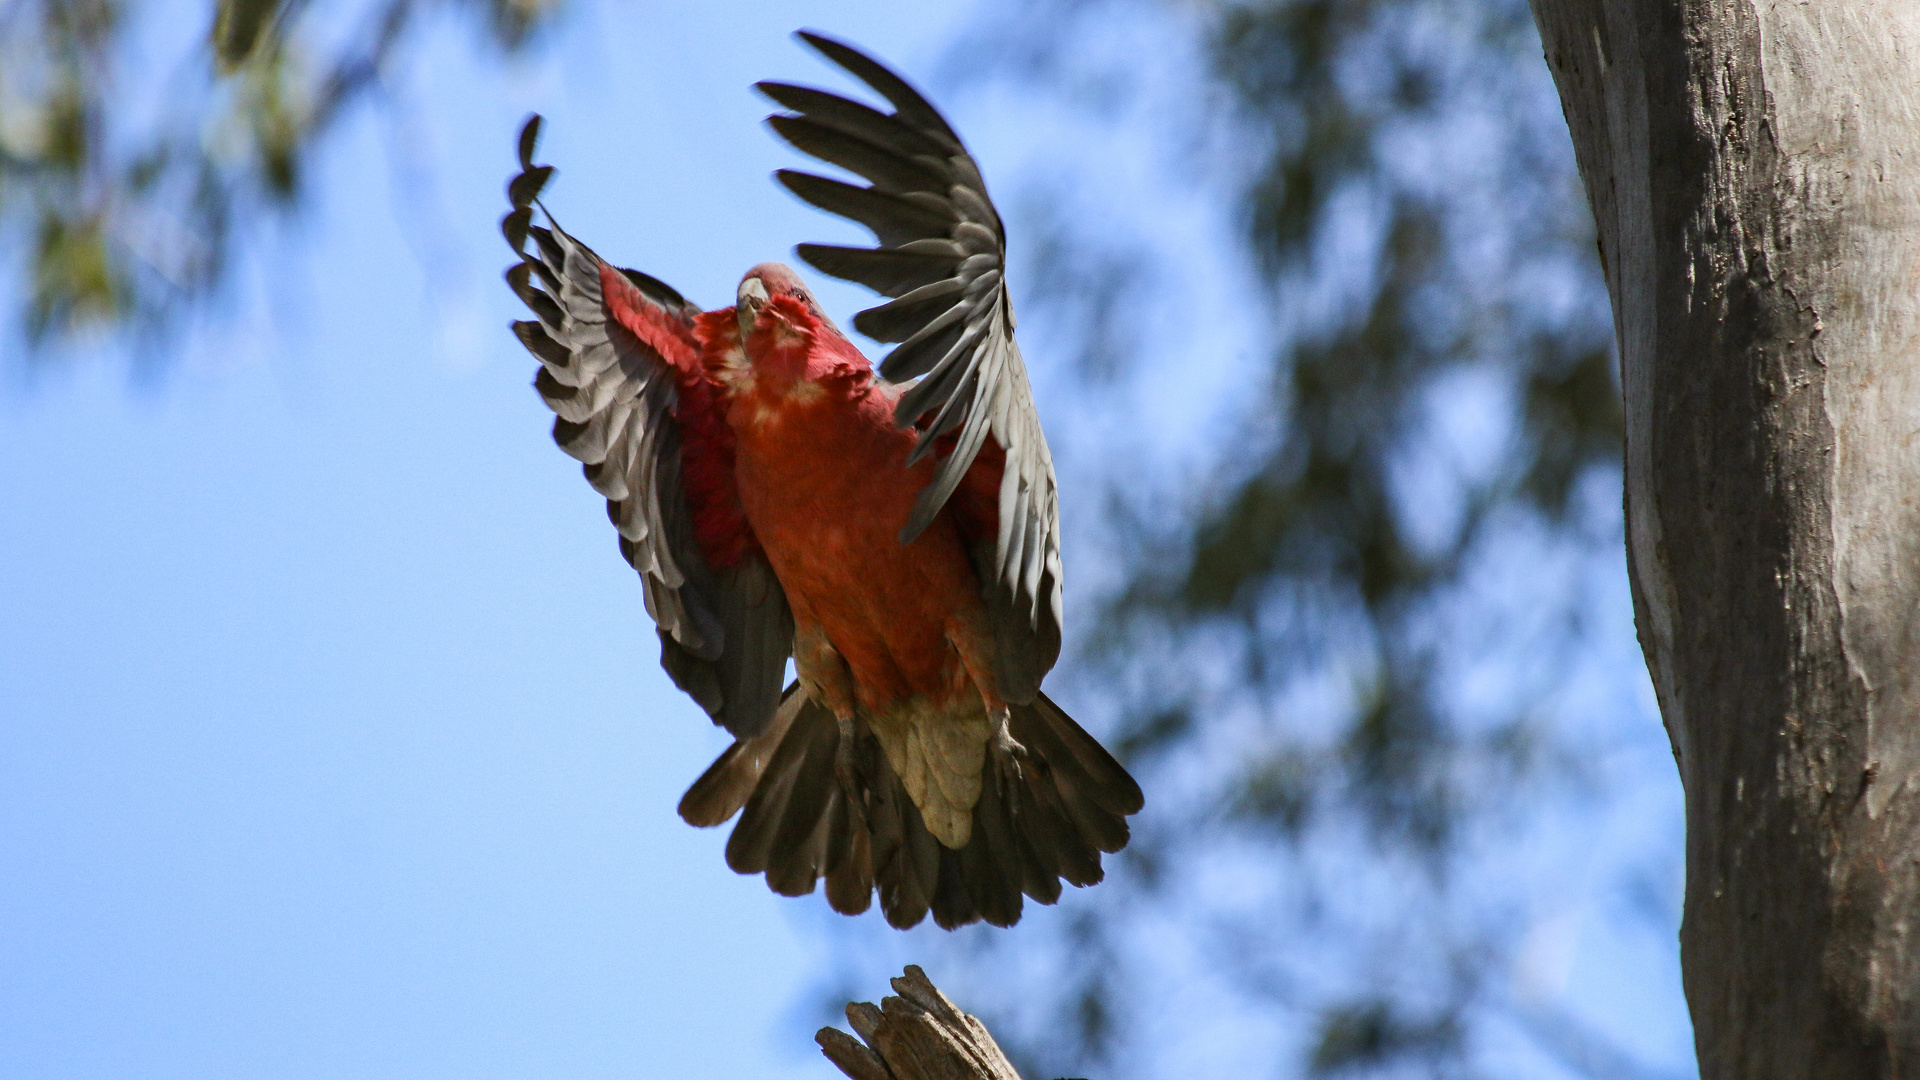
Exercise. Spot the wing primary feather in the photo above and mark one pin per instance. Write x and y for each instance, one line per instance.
(886, 170)
(932, 346)
(860, 121)
(934, 496)
(953, 316)
(945, 421)
(550, 250)
(901, 318)
(911, 106)
(890, 273)
(541, 304)
(952, 385)
(550, 352)
(549, 278)
(523, 189)
(529, 139)
(560, 397)
(514, 227)
(695, 678)
(894, 220)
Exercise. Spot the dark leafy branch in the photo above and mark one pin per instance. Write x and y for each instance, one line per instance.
(125, 223)
(1288, 646)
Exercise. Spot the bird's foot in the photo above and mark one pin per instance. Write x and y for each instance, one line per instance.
(1009, 754)
(846, 769)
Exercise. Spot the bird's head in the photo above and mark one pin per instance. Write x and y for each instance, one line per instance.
(783, 335)
(766, 283)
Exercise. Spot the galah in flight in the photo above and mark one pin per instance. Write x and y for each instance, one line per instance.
(895, 532)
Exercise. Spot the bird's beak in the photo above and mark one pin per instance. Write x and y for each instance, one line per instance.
(752, 297)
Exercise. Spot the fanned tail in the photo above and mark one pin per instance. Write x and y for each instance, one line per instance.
(1044, 816)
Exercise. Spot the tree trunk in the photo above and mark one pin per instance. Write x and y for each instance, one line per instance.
(1754, 169)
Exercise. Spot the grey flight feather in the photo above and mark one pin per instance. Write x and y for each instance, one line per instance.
(941, 259)
(726, 785)
(1044, 817)
(725, 634)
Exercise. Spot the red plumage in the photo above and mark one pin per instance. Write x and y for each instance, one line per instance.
(894, 532)
(822, 474)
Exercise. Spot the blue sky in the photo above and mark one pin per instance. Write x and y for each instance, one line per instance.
(332, 740)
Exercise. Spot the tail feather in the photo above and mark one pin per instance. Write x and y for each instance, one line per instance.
(991, 860)
(724, 788)
(952, 907)
(849, 863)
(1105, 831)
(1036, 879)
(1042, 816)
(1067, 853)
(792, 869)
(906, 863)
(1068, 746)
(798, 851)
(752, 842)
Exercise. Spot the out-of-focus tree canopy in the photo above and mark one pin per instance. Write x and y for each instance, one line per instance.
(1372, 646)
(124, 186)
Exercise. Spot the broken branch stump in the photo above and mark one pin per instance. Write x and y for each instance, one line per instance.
(919, 1035)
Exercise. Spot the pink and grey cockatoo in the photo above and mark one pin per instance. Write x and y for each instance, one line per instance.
(895, 532)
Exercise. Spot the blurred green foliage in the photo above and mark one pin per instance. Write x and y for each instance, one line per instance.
(122, 210)
(1292, 629)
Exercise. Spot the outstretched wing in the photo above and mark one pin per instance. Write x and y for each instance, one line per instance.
(941, 257)
(619, 365)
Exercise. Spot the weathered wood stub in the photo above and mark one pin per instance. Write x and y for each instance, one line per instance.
(918, 1035)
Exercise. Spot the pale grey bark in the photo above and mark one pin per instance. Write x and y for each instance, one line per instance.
(1754, 170)
(919, 1035)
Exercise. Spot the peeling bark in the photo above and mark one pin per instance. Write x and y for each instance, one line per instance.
(1754, 170)
(919, 1035)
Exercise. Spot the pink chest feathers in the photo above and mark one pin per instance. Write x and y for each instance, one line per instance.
(824, 483)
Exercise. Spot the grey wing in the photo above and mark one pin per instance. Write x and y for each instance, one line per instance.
(941, 257)
(725, 635)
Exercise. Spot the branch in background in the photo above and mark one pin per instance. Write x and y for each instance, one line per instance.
(920, 1035)
(121, 221)
(1340, 627)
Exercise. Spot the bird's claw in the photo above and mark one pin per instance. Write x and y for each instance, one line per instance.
(1009, 753)
(846, 769)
